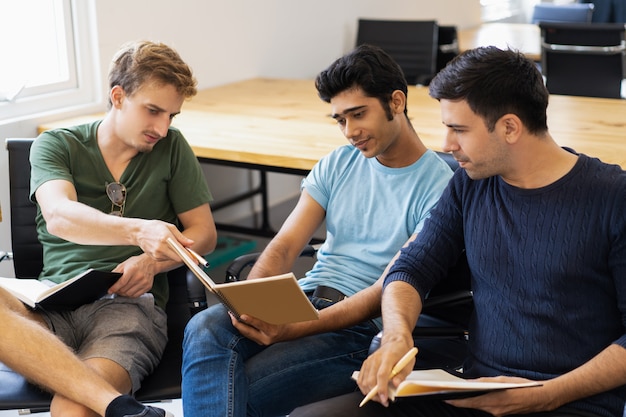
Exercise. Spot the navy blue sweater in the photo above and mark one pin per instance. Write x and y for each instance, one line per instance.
(548, 271)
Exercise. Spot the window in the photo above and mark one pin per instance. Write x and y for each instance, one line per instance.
(493, 10)
(49, 61)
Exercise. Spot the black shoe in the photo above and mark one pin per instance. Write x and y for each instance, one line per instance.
(152, 412)
(127, 406)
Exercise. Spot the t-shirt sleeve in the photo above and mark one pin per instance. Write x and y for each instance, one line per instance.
(317, 182)
(188, 187)
(49, 160)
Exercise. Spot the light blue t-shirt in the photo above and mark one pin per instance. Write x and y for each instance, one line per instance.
(371, 211)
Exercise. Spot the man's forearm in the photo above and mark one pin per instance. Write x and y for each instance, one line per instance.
(605, 371)
(277, 258)
(353, 310)
(81, 224)
(401, 305)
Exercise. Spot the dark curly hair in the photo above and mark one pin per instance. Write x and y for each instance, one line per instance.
(495, 82)
(366, 67)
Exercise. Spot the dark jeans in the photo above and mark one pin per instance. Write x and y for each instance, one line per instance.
(348, 405)
(227, 375)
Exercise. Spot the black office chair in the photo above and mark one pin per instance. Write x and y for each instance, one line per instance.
(448, 45)
(412, 44)
(186, 297)
(441, 332)
(549, 12)
(583, 59)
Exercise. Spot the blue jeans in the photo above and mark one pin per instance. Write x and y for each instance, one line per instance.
(228, 375)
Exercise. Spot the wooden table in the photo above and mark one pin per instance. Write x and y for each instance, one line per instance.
(281, 125)
(524, 37)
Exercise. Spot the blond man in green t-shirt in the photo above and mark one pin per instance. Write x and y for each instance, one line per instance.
(109, 194)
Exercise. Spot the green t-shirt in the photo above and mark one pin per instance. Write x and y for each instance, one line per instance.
(159, 184)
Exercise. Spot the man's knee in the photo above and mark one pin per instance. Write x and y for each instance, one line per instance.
(207, 326)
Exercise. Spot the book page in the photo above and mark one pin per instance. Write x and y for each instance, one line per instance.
(84, 288)
(27, 290)
(438, 382)
(192, 265)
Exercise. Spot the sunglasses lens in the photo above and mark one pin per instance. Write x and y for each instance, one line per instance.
(116, 193)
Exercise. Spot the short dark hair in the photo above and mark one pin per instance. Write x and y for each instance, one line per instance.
(495, 82)
(366, 67)
(139, 62)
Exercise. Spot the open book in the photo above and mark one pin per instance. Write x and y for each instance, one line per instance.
(275, 300)
(82, 289)
(437, 383)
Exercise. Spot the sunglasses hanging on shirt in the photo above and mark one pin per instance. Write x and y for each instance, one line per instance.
(116, 191)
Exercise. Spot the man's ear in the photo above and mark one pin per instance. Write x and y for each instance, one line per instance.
(398, 101)
(511, 127)
(117, 95)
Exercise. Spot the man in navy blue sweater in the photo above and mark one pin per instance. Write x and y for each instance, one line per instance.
(545, 233)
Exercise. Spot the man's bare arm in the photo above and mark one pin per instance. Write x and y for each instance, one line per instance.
(76, 222)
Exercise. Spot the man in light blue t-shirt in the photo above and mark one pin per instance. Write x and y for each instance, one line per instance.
(373, 194)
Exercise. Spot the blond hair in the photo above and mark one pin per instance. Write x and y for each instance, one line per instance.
(137, 63)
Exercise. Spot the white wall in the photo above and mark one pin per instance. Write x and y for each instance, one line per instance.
(226, 41)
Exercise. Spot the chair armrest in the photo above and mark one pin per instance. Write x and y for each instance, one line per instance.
(195, 293)
(237, 266)
(447, 300)
(433, 327)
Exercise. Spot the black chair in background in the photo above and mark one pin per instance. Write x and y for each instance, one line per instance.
(448, 46)
(412, 44)
(575, 12)
(187, 295)
(583, 59)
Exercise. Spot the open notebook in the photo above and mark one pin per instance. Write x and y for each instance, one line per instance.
(440, 384)
(276, 300)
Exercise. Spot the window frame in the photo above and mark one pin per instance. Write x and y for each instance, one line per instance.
(83, 86)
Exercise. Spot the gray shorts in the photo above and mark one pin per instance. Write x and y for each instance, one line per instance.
(129, 331)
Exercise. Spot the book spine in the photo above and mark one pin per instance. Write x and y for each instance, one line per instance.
(226, 303)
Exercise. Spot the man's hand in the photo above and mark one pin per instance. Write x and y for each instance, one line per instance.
(511, 401)
(152, 237)
(137, 276)
(377, 367)
(262, 332)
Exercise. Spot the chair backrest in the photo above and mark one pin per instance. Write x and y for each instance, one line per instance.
(27, 250)
(412, 44)
(448, 45)
(583, 59)
(549, 12)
